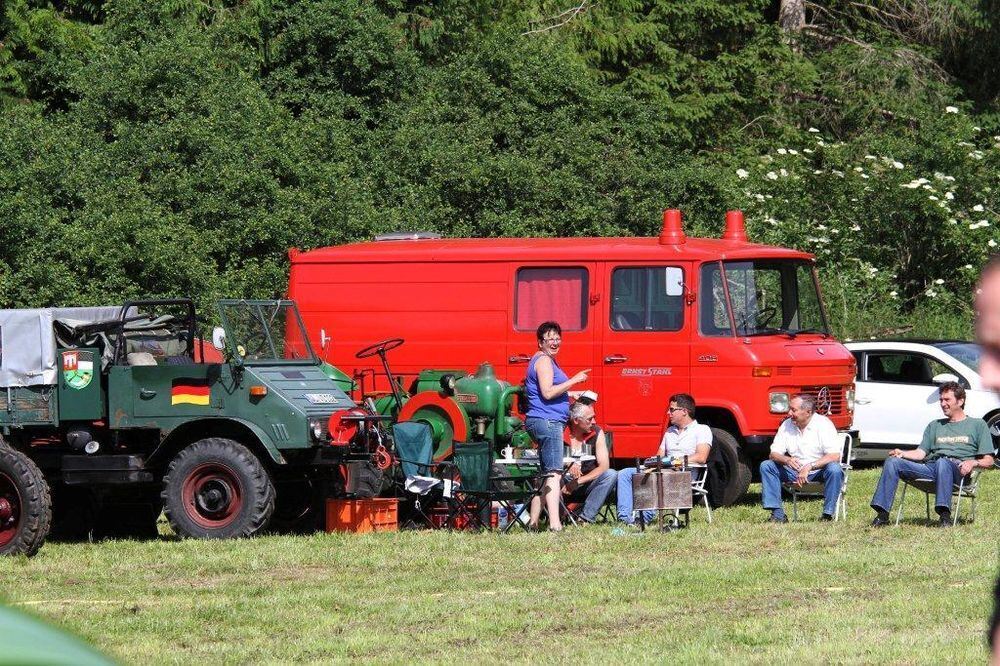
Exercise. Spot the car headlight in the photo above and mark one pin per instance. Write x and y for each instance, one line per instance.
(778, 402)
(316, 429)
(850, 400)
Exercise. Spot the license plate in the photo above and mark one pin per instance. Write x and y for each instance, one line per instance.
(321, 398)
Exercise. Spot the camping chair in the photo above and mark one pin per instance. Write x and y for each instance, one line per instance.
(607, 514)
(414, 448)
(966, 488)
(699, 476)
(815, 488)
(476, 491)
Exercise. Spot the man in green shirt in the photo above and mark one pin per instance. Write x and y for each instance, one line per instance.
(952, 447)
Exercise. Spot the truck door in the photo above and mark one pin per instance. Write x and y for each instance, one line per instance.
(148, 396)
(560, 293)
(643, 352)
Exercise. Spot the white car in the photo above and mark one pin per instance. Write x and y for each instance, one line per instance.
(897, 391)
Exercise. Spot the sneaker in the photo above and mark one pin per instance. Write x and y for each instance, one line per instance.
(881, 520)
(777, 519)
(826, 517)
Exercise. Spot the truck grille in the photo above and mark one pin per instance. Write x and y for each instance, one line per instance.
(829, 399)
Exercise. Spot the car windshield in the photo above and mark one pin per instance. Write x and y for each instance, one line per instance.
(768, 297)
(966, 352)
(265, 331)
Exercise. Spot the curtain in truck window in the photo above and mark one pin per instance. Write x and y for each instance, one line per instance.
(551, 294)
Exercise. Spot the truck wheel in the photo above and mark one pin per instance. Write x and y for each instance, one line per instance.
(25, 504)
(737, 466)
(217, 489)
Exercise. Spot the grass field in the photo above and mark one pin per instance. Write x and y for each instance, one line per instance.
(737, 590)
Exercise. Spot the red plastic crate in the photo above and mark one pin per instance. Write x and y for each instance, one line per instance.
(362, 515)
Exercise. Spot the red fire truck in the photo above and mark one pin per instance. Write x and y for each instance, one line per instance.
(740, 326)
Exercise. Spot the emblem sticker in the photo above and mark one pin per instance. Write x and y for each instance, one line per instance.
(78, 368)
(321, 398)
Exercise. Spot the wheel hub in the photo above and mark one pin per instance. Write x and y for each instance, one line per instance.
(212, 495)
(10, 509)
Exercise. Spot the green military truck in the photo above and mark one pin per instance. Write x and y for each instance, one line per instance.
(116, 412)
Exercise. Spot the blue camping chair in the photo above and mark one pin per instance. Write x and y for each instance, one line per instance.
(419, 487)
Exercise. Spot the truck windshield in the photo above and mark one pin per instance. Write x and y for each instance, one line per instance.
(265, 331)
(765, 297)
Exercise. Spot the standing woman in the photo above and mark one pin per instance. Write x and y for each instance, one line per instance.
(548, 391)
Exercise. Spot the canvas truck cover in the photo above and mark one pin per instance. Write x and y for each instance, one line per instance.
(28, 341)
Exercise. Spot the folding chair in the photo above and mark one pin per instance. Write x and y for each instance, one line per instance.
(699, 475)
(815, 488)
(414, 449)
(476, 490)
(966, 488)
(607, 513)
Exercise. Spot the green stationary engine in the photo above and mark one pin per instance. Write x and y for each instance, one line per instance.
(457, 406)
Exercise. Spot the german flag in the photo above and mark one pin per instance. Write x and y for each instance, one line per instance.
(189, 392)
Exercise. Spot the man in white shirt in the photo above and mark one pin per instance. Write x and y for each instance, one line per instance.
(806, 448)
(684, 437)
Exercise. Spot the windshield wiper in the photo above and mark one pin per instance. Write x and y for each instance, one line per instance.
(805, 330)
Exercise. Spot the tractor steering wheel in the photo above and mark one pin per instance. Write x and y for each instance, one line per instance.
(379, 347)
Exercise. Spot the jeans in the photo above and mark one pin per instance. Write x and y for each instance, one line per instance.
(549, 435)
(943, 471)
(772, 475)
(624, 498)
(596, 493)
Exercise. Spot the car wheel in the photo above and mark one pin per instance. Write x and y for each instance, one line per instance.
(993, 423)
(737, 466)
(217, 489)
(25, 504)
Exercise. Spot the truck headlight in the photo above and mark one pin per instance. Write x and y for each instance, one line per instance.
(850, 400)
(316, 429)
(778, 402)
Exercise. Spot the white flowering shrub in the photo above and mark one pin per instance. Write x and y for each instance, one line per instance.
(891, 238)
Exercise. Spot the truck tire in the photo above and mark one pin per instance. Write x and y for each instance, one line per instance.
(736, 464)
(217, 489)
(25, 504)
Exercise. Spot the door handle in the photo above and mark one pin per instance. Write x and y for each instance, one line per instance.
(615, 358)
(146, 394)
(519, 358)
(865, 401)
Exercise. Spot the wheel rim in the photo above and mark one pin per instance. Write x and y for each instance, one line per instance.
(10, 509)
(212, 495)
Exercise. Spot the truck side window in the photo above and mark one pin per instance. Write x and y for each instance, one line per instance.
(551, 294)
(642, 301)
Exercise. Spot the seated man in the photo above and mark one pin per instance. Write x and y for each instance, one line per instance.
(591, 481)
(684, 437)
(805, 448)
(951, 448)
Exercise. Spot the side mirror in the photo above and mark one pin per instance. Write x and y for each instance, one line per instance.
(219, 338)
(944, 377)
(674, 281)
